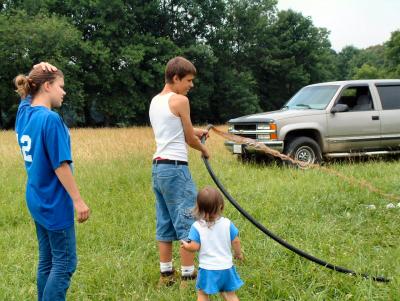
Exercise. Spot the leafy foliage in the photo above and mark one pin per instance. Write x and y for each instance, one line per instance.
(249, 55)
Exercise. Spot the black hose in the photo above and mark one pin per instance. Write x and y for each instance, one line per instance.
(274, 236)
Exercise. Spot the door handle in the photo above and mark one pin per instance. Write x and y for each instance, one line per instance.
(375, 117)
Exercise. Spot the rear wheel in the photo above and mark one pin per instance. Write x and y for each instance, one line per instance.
(305, 150)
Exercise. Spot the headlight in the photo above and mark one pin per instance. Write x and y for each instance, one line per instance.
(263, 126)
(230, 128)
(263, 137)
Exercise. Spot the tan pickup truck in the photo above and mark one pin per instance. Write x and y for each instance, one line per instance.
(333, 119)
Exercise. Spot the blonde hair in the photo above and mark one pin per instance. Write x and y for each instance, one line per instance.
(209, 205)
(31, 84)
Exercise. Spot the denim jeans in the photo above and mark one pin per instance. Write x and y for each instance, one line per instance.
(57, 262)
(175, 198)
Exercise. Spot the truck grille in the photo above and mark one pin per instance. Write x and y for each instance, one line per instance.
(245, 127)
(251, 136)
(258, 131)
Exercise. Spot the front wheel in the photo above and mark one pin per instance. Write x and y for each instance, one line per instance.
(305, 150)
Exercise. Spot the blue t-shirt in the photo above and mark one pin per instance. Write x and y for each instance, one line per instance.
(45, 144)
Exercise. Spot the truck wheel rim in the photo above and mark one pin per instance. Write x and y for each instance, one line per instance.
(305, 154)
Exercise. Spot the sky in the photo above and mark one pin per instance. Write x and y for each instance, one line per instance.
(361, 23)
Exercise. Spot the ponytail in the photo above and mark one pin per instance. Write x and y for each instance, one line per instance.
(22, 84)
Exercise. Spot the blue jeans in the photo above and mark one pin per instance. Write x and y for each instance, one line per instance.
(175, 198)
(57, 262)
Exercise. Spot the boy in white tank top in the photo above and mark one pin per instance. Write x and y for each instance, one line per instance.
(171, 180)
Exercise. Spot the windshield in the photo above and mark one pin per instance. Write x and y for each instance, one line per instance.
(316, 97)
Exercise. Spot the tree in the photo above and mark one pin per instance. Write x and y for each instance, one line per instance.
(392, 54)
(367, 72)
(249, 56)
(235, 95)
(25, 40)
(300, 54)
(344, 58)
(356, 63)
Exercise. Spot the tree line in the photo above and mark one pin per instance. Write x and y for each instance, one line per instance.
(250, 57)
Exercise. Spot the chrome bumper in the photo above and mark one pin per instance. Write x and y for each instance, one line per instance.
(240, 148)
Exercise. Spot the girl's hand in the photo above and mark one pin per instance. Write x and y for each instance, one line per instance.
(45, 66)
(239, 256)
(82, 211)
(184, 244)
(190, 246)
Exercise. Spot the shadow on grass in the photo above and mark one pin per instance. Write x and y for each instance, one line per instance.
(268, 161)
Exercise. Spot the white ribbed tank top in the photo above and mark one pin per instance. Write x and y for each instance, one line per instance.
(168, 130)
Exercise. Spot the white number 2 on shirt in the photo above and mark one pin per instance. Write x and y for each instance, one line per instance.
(26, 147)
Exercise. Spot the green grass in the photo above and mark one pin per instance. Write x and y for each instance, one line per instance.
(117, 250)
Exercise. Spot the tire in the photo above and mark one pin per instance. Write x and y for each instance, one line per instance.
(303, 149)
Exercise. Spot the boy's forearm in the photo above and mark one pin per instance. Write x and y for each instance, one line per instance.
(66, 178)
(196, 143)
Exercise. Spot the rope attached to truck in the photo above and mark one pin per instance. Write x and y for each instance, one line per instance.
(262, 228)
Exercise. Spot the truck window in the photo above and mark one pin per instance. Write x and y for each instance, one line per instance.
(358, 98)
(390, 96)
(312, 97)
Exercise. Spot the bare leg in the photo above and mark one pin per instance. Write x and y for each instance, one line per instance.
(229, 296)
(187, 258)
(165, 250)
(167, 277)
(201, 296)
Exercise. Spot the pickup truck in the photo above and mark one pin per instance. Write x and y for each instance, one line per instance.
(327, 120)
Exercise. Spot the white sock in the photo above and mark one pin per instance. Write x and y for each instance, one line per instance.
(166, 267)
(187, 270)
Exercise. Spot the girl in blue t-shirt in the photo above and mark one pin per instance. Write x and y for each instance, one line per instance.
(213, 236)
(51, 191)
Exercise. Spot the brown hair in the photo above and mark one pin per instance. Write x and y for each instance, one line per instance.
(209, 205)
(178, 66)
(30, 85)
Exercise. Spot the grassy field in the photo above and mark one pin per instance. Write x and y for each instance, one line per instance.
(117, 251)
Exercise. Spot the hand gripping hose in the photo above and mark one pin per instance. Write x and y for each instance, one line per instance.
(274, 236)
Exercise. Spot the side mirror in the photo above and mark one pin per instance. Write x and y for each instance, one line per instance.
(340, 107)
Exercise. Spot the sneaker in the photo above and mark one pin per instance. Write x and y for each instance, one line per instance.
(167, 278)
(185, 280)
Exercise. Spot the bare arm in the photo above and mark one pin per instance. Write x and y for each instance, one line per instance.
(237, 252)
(180, 105)
(66, 178)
